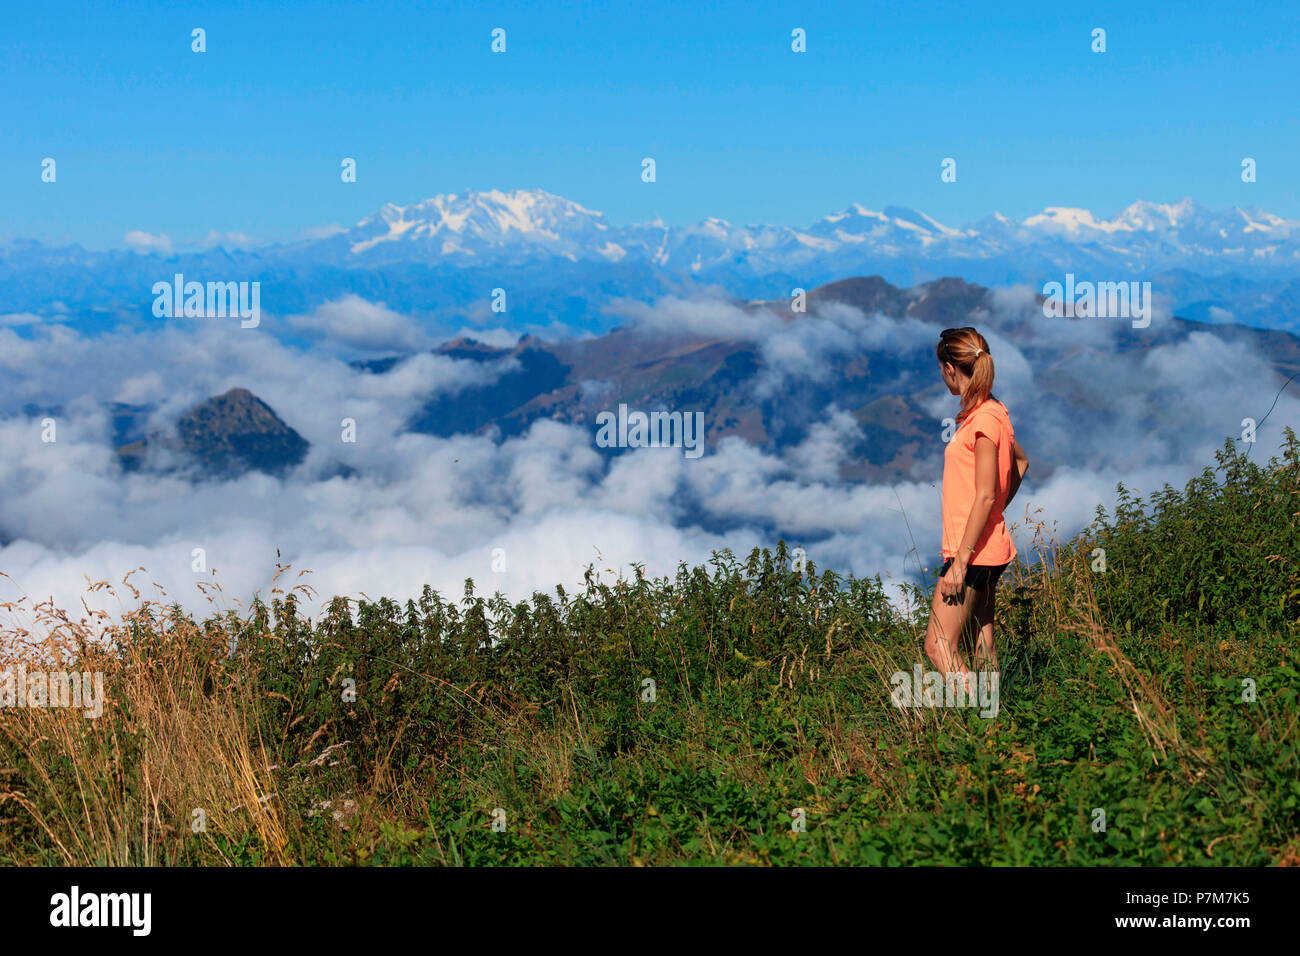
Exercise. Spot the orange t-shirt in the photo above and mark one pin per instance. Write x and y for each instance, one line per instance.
(994, 546)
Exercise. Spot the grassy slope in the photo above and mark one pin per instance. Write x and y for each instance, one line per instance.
(1122, 692)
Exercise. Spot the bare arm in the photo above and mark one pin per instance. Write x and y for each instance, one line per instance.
(1019, 465)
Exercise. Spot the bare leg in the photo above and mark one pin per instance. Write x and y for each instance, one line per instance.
(943, 635)
(986, 654)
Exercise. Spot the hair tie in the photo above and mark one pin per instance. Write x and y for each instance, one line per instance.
(978, 352)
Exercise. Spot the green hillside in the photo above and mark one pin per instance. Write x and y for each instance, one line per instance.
(1160, 692)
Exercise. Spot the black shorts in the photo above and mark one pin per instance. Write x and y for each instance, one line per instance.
(978, 576)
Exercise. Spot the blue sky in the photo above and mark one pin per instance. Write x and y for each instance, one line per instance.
(247, 137)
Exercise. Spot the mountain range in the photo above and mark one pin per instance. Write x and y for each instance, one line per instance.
(561, 261)
(886, 389)
(474, 227)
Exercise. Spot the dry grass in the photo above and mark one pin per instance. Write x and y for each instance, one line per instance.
(172, 748)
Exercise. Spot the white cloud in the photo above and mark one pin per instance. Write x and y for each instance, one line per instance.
(430, 510)
(709, 318)
(147, 242)
(359, 324)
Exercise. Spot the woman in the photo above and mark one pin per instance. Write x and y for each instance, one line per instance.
(983, 466)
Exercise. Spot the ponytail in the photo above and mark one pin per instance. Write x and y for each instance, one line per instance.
(968, 351)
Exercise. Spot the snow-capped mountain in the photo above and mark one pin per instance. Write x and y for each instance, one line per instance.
(474, 223)
(481, 227)
(486, 226)
(565, 260)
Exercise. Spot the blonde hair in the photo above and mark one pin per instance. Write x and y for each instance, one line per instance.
(968, 351)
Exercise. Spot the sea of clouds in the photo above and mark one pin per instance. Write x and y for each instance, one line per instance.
(424, 510)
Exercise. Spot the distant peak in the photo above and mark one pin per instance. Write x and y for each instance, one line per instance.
(854, 210)
(517, 199)
(1066, 217)
(451, 220)
(1140, 216)
(916, 218)
(1146, 214)
(226, 435)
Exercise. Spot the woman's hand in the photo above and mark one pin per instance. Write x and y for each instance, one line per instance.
(952, 584)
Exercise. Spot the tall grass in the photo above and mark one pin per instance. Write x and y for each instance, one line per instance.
(384, 733)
